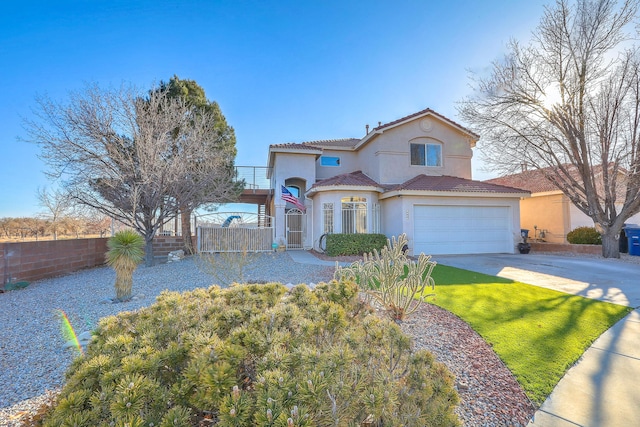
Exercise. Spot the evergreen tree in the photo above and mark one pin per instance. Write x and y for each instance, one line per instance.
(221, 141)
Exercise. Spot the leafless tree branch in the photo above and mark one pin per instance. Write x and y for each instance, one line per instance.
(569, 105)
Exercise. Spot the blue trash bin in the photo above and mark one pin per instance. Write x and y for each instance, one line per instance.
(633, 237)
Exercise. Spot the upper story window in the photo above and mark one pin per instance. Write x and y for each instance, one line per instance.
(329, 161)
(426, 154)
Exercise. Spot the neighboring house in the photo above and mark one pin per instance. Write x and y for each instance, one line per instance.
(412, 175)
(548, 214)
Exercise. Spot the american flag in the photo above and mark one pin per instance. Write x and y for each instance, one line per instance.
(288, 197)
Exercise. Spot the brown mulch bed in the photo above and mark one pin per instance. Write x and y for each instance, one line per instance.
(489, 394)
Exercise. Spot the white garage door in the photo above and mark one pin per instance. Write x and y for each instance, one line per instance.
(462, 229)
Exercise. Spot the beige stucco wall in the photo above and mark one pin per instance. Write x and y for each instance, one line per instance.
(294, 165)
(386, 157)
(392, 222)
(577, 218)
(580, 219)
(348, 163)
(550, 213)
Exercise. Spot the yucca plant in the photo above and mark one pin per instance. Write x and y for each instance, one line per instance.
(126, 251)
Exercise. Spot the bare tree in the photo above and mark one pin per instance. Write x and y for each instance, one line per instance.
(115, 151)
(58, 205)
(569, 105)
(96, 222)
(6, 227)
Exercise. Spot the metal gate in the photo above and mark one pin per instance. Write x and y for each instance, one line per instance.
(295, 223)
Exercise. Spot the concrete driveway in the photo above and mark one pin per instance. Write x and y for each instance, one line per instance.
(609, 280)
(601, 389)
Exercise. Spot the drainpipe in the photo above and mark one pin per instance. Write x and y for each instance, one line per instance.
(312, 224)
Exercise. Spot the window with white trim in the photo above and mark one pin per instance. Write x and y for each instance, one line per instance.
(354, 215)
(429, 154)
(329, 161)
(327, 218)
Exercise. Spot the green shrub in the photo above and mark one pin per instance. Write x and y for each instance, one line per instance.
(354, 244)
(391, 278)
(584, 236)
(254, 355)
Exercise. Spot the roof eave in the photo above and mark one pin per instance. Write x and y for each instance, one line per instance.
(337, 148)
(273, 150)
(477, 194)
(322, 188)
(546, 193)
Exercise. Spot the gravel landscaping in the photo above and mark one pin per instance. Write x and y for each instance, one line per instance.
(33, 358)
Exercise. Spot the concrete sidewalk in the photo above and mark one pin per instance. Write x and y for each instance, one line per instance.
(304, 257)
(601, 389)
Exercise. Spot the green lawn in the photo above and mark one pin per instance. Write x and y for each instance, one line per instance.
(537, 332)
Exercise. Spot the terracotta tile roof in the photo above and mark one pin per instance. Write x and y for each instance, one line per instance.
(451, 183)
(352, 179)
(293, 146)
(343, 142)
(419, 113)
(531, 180)
(316, 145)
(535, 180)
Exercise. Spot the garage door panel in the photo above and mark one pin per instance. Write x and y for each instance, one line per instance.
(462, 229)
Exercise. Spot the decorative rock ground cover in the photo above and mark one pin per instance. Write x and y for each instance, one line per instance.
(31, 368)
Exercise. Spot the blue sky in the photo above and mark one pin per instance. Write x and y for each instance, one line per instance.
(282, 71)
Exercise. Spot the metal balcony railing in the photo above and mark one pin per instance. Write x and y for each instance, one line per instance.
(254, 177)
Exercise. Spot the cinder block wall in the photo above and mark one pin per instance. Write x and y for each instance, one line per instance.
(162, 245)
(566, 247)
(33, 261)
(38, 260)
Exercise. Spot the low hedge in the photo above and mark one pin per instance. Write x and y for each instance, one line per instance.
(584, 236)
(354, 244)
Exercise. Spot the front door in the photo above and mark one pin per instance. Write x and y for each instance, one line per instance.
(295, 221)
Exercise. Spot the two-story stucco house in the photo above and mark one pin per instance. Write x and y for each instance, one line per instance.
(412, 175)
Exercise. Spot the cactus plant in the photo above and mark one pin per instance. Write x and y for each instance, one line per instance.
(391, 279)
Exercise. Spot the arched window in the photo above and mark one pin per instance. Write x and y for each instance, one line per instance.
(354, 215)
(294, 190)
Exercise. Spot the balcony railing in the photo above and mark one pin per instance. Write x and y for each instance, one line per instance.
(254, 177)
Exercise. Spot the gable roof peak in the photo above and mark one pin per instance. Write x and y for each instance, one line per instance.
(421, 113)
(357, 178)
